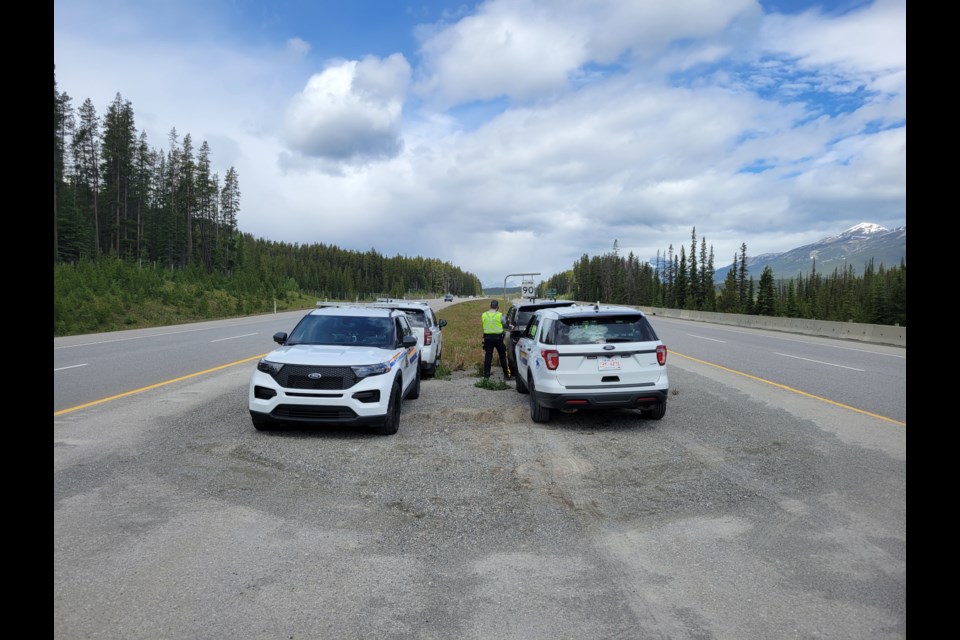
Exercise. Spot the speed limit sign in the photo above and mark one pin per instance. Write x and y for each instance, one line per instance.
(527, 290)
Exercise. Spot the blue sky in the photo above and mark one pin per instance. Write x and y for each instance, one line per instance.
(514, 136)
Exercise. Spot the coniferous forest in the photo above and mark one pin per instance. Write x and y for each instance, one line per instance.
(145, 236)
(678, 280)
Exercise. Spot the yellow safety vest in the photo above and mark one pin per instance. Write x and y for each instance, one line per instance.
(492, 322)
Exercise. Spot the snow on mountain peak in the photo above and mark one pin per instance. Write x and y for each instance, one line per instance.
(864, 227)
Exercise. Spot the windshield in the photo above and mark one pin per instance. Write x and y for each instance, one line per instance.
(344, 330)
(600, 330)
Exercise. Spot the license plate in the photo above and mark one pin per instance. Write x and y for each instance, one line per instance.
(612, 362)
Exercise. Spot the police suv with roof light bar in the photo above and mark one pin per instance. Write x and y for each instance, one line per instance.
(341, 365)
(592, 357)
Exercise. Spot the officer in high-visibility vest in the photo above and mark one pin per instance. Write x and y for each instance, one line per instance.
(493, 339)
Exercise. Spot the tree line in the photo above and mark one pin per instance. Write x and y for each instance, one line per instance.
(678, 280)
(146, 236)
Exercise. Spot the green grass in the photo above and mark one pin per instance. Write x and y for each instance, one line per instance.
(463, 335)
(493, 384)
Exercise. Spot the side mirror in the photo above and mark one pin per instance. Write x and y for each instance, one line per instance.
(442, 324)
(280, 337)
(409, 341)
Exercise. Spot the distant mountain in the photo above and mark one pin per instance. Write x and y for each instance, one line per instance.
(855, 247)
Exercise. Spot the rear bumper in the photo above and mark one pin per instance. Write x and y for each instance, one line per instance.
(625, 399)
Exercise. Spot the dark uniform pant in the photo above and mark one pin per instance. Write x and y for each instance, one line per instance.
(493, 341)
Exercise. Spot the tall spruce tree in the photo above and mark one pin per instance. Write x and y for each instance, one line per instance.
(766, 296)
(742, 293)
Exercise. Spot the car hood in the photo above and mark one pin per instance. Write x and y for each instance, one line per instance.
(329, 355)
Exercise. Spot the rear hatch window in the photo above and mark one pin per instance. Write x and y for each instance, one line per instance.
(417, 318)
(605, 350)
(603, 330)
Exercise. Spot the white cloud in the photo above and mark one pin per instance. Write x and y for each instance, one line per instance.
(577, 157)
(350, 111)
(526, 49)
(868, 45)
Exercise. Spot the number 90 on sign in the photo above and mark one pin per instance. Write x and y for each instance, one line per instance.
(528, 290)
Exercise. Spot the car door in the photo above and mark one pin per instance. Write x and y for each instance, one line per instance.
(435, 327)
(410, 357)
(525, 345)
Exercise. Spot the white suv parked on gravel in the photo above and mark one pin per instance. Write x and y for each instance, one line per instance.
(341, 365)
(592, 357)
(427, 328)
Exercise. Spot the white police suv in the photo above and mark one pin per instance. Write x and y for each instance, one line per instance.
(591, 357)
(428, 329)
(341, 365)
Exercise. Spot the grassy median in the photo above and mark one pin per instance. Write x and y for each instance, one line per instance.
(463, 337)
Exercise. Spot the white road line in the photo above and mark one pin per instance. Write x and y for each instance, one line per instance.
(829, 364)
(692, 335)
(246, 335)
(151, 335)
(73, 366)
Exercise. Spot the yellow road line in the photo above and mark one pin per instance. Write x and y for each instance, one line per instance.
(786, 388)
(154, 386)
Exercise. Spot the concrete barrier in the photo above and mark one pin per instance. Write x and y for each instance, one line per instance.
(875, 333)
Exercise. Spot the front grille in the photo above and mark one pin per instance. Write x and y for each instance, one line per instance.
(306, 412)
(296, 376)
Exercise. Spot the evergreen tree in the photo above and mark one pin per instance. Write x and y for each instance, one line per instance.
(695, 295)
(730, 294)
(85, 148)
(707, 274)
(118, 150)
(682, 296)
(766, 296)
(742, 279)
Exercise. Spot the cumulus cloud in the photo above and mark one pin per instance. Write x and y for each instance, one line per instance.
(351, 111)
(526, 49)
(867, 46)
(556, 125)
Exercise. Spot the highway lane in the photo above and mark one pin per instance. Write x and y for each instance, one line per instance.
(867, 377)
(95, 366)
(749, 511)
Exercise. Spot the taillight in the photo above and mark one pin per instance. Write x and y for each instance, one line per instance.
(662, 354)
(551, 357)
(427, 337)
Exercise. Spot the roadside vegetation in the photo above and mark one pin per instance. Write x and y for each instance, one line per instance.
(463, 335)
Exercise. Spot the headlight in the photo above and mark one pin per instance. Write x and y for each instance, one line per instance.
(367, 370)
(266, 366)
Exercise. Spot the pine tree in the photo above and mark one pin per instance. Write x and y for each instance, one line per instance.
(695, 296)
(730, 294)
(682, 284)
(118, 150)
(766, 296)
(85, 148)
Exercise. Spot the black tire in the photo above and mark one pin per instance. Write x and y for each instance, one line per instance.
(414, 391)
(260, 423)
(538, 413)
(391, 423)
(656, 412)
(429, 370)
(521, 383)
